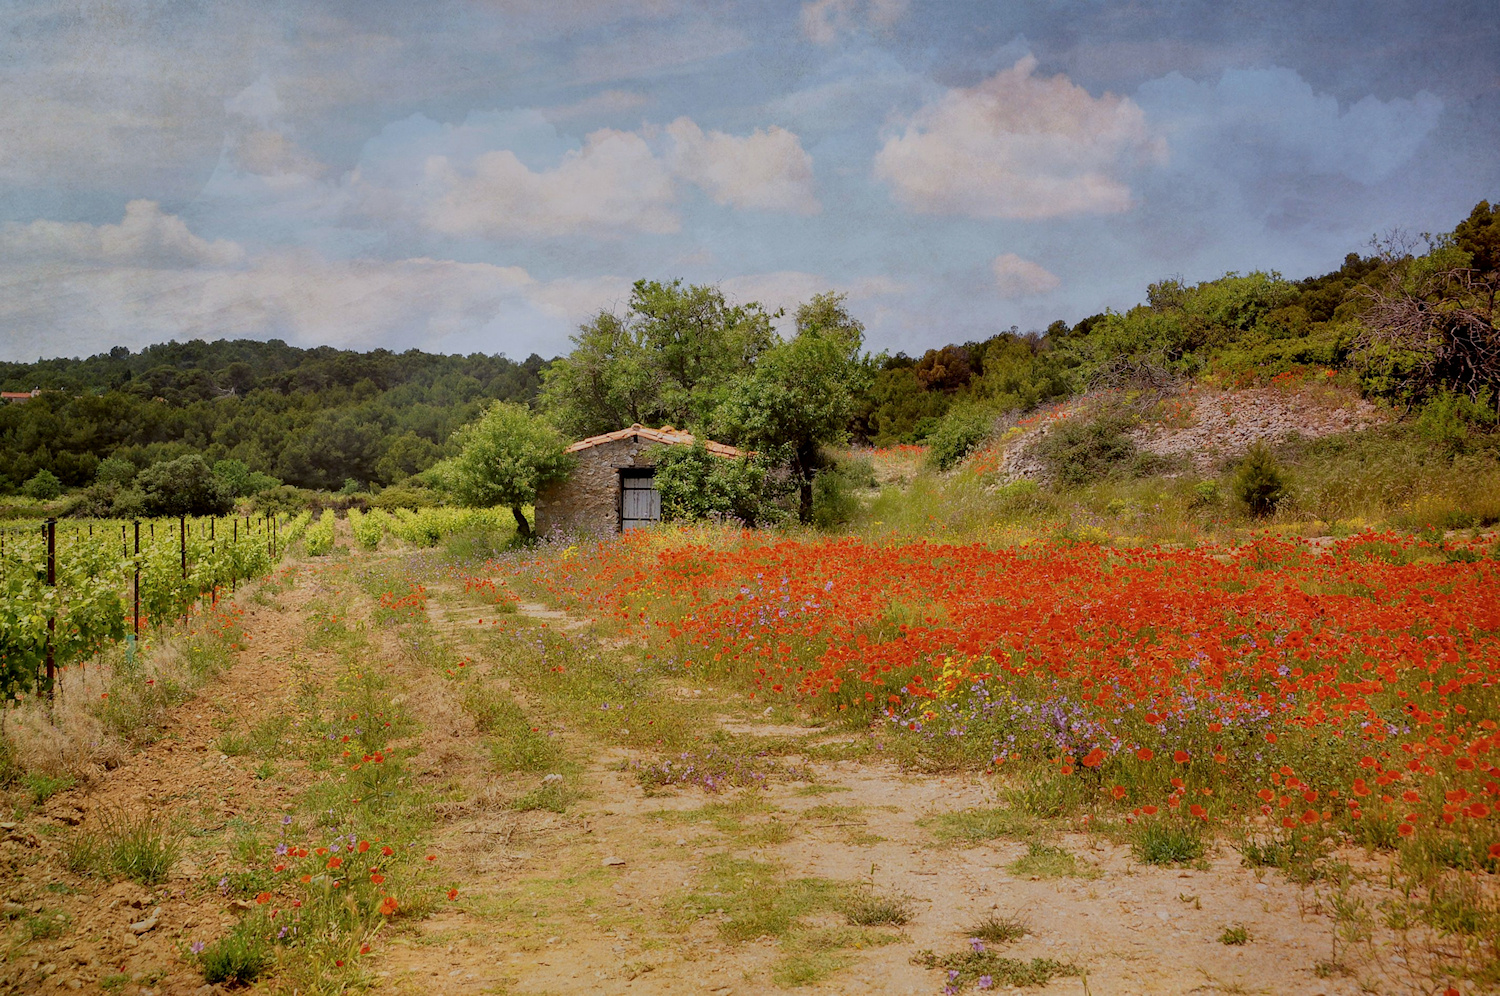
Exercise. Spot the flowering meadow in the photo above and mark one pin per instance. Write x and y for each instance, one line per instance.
(1343, 687)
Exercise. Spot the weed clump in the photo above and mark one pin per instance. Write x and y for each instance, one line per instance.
(1046, 861)
(142, 849)
(713, 770)
(971, 826)
(1078, 452)
(238, 958)
(1167, 844)
(864, 908)
(988, 970)
(997, 929)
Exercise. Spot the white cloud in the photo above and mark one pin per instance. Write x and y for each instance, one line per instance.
(1017, 277)
(1018, 146)
(825, 21)
(512, 174)
(75, 289)
(613, 183)
(766, 170)
(145, 236)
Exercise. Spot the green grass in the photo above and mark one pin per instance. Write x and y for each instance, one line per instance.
(1234, 936)
(514, 743)
(754, 898)
(727, 817)
(973, 967)
(39, 788)
(998, 929)
(46, 924)
(239, 957)
(807, 968)
(1047, 861)
(143, 849)
(867, 908)
(974, 826)
(554, 797)
(1457, 907)
(820, 789)
(1167, 844)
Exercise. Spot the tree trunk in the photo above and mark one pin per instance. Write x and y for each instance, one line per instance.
(804, 464)
(523, 528)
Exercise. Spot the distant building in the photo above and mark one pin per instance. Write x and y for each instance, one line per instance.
(612, 488)
(17, 397)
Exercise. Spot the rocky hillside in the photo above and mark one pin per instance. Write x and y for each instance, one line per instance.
(1201, 427)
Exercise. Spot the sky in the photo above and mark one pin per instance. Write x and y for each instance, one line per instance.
(467, 176)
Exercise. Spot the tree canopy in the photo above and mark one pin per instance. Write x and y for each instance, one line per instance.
(669, 360)
(311, 417)
(801, 394)
(504, 458)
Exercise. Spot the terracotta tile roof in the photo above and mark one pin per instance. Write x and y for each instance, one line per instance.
(665, 435)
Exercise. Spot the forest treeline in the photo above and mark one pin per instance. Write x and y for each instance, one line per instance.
(1412, 321)
(315, 418)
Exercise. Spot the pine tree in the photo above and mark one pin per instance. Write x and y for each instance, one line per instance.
(1259, 482)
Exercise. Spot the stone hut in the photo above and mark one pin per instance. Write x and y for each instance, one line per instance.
(611, 489)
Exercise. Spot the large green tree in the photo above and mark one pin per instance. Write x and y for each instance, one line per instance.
(668, 360)
(185, 486)
(802, 394)
(504, 457)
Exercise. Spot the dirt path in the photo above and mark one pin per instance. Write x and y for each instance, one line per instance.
(183, 781)
(630, 890)
(609, 897)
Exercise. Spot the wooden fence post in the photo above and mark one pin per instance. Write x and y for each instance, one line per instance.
(52, 616)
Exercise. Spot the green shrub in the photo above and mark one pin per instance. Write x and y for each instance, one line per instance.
(283, 500)
(43, 486)
(1259, 483)
(694, 484)
(1451, 421)
(834, 502)
(240, 481)
(117, 471)
(407, 495)
(1078, 452)
(961, 432)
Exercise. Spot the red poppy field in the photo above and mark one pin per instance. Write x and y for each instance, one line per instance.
(1342, 690)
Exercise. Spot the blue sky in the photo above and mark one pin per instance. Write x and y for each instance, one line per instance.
(482, 176)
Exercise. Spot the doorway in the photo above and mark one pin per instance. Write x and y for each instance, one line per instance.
(640, 502)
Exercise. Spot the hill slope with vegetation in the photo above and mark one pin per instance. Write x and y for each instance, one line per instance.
(314, 418)
(1394, 356)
